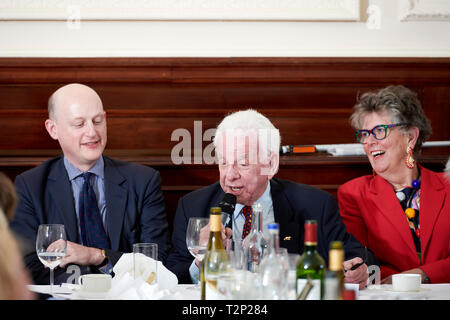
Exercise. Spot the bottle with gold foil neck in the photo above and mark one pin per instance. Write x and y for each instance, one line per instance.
(334, 277)
(310, 267)
(215, 261)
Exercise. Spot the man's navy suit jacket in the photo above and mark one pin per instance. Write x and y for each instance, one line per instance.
(135, 210)
(293, 203)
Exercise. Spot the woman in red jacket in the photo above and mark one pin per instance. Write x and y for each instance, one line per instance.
(402, 211)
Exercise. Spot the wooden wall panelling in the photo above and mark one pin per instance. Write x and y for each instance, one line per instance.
(146, 99)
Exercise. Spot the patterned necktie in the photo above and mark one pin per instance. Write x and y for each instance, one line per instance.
(91, 225)
(248, 213)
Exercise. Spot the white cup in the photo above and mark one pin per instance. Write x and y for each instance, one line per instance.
(95, 282)
(406, 282)
(145, 261)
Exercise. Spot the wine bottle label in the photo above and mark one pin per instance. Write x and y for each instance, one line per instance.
(314, 294)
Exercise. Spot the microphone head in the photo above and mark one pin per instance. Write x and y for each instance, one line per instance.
(228, 203)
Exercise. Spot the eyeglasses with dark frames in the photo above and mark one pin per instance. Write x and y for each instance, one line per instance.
(379, 132)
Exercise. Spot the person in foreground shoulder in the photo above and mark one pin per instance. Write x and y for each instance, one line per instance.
(402, 211)
(14, 278)
(247, 149)
(106, 205)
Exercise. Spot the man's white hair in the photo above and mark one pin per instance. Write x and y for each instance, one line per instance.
(251, 120)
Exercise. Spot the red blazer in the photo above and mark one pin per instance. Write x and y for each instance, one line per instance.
(373, 214)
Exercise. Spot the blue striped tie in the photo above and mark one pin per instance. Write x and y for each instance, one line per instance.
(91, 225)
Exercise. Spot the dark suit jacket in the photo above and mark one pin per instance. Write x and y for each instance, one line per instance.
(372, 212)
(134, 205)
(293, 203)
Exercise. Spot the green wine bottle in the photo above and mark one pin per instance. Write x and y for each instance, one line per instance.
(334, 277)
(311, 266)
(216, 258)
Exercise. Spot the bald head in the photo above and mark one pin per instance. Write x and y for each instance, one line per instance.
(78, 122)
(67, 94)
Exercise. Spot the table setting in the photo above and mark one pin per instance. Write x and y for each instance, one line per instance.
(140, 276)
(68, 291)
(145, 284)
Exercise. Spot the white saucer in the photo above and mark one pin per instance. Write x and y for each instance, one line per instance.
(89, 295)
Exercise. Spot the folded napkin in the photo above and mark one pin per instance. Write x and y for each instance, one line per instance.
(125, 286)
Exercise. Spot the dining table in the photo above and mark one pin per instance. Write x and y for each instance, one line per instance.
(439, 291)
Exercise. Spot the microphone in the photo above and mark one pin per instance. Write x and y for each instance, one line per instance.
(227, 205)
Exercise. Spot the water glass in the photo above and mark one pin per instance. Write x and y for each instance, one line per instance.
(293, 259)
(145, 261)
(236, 255)
(239, 285)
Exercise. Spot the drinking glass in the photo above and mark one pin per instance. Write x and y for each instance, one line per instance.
(292, 275)
(145, 262)
(51, 247)
(236, 257)
(197, 246)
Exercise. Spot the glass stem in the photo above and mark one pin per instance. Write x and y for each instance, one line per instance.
(200, 266)
(51, 281)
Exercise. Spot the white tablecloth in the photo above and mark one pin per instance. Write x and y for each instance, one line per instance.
(188, 292)
(440, 291)
(70, 291)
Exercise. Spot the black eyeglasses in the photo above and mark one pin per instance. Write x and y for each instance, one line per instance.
(379, 132)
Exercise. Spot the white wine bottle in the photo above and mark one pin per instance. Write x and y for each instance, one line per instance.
(215, 261)
(334, 277)
(311, 266)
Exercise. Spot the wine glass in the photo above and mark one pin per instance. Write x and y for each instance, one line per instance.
(196, 246)
(51, 247)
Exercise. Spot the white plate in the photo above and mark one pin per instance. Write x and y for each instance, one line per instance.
(45, 289)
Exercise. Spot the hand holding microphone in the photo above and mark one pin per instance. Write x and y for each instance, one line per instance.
(227, 205)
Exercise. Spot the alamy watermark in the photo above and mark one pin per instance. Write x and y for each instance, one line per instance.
(256, 144)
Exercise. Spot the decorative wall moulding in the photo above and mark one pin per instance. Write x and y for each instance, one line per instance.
(294, 10)
(424, 10)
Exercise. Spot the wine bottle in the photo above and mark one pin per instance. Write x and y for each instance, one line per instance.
(311, 266)
(273, 270)
(334, 276)
(255, 243)
(216, 259)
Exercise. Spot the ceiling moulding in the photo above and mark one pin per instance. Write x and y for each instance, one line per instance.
(294, 10)
(424, 10)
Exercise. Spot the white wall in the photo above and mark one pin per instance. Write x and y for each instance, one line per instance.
(393, 38)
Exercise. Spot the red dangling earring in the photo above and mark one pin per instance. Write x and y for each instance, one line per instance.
(409, 161)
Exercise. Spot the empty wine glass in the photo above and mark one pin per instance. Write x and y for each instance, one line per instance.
(196, 245)
(51, 247)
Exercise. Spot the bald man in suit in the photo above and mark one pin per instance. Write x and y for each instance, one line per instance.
(128, 196)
